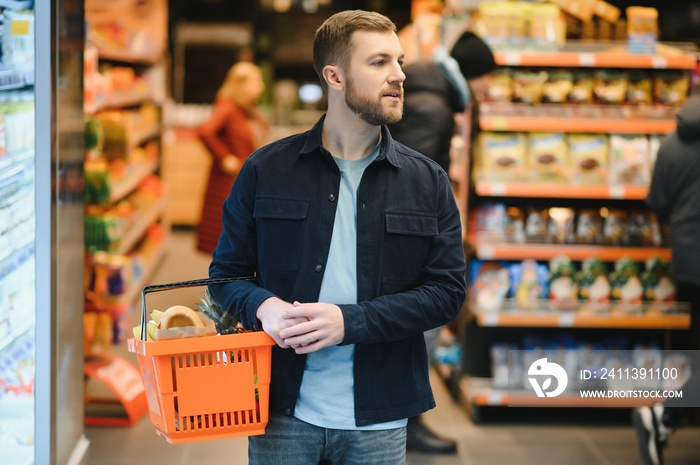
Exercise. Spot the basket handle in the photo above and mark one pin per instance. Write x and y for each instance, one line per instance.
(178, 285)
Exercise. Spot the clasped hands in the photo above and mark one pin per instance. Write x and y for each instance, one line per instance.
(305, 327)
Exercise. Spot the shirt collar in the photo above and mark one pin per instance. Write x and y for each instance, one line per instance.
(387, 149)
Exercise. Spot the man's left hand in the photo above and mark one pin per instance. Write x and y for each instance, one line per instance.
(325, 327)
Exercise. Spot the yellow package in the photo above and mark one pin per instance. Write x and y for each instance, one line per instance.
(548, 155)
(589, 158)
(503, 155)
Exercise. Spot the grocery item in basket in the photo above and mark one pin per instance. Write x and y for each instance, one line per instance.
(503, 155)
(180, 321)
(589, 158)
(629, 159)
(548, 155)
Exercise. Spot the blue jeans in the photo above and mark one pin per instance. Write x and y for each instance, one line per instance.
(290, 441)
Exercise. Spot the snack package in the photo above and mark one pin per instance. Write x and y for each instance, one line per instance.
(490, 284)
(501, 88)
(610, 86)
(615, 227)
(560, 225)
(589, 158)
(536, 224)
(515, 225)
(671, 87)
(589, 226)
(626, 287)
(528, 86)
(529, 283)
(629, 159)
(640, 229)
(562, 286)
(558, 86)
(491, 220)
(592, 281)
(548, 155)
(503, 155)
(640, 88)
(657, 282)
(582, 88)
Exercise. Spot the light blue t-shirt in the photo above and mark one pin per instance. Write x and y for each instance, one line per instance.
(326, 397)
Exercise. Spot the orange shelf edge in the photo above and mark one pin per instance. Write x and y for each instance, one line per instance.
(486, 250)
(632, 126)
(594, 60)
(583, 321)
(569, 191)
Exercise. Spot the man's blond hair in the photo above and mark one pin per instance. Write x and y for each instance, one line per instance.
(333, 42)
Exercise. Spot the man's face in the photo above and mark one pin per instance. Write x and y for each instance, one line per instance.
(374, 82)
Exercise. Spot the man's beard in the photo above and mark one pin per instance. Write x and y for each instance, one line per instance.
(372, 111)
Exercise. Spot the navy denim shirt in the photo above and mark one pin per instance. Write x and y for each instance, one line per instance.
(278, 222)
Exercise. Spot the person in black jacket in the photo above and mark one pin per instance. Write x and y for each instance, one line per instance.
(434, 90)
(674, 195)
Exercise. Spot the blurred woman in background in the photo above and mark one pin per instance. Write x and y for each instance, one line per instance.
(235, 129)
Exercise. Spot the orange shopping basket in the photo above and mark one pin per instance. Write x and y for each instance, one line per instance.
(203, 388)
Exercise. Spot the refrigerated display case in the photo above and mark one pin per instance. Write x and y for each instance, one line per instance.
(41, 217)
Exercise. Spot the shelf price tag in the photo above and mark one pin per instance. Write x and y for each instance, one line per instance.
(617, 192)
(512, 58)
(489, 319)
(495, 397)
(566, 319)
(659, 62)
(497, 189)
(485, 252)
(499, 123)
(586, 60)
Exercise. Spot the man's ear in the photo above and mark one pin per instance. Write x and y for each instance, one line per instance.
(334, 77)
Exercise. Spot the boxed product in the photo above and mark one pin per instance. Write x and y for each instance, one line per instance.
(491, 220)
(529, 283)
(592, 281)
(641, 229)
(589, 158)
(629, 159)
(589, 226)
(560, 225)
(626, 287)
(657, 281)
(490, 284)
(504, 155)
(640, 88)
(536, 224)
(615, 227)
(548, 155)
(515, 225)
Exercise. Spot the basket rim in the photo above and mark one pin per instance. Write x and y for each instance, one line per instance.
(200, 344)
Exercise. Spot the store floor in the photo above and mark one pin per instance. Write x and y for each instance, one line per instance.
(578, 437)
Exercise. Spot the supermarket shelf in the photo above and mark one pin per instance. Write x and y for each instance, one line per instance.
(15, 78)
(561, 191)
(139, 229)
(126, 56)
(10, 160)
(576, 118)
(133, 179)
(588, 55)
(121, 99)
(481, 392)
(580, 319)
(489, 250)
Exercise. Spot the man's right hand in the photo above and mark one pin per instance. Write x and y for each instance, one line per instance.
(271, 314)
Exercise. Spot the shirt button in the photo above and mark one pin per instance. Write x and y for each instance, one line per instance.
(318, 268)
(287, 411)
(331, 197)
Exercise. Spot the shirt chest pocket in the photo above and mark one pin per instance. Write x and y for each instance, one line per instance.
(280, 231)
(407, 240)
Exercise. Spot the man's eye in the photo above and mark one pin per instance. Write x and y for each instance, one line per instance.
(378, 63)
